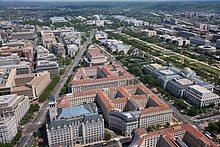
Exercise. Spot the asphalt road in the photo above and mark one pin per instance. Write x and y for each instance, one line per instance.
(74, 63)
(27, 136)
(33, 127)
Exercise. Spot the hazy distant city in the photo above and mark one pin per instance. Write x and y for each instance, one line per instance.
(109, 73)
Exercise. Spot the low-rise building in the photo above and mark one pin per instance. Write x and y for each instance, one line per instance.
(94, 57)
(58, 49)
(149, 33)
(199, 41)
(31, 85)
(200, 96)
(177, 81)
(180, 135)
(76, 125)
(174, 40)
(101, 36)
(50, 66)
(98, 77)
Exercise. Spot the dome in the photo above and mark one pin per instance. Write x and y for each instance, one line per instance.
(187, 71)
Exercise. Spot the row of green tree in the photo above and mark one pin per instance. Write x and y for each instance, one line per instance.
(46, 93)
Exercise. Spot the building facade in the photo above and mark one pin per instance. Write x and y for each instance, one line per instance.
(99, 77)
(75, 125)
(180, 135)
(16, 105)
(124, 107)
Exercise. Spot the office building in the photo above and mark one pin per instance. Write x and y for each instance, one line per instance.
(218, 44)
(174, 40)
(58, 49)
(177, 81)
(8, 129)
(124, 107)
(31, 85)
(199, 41)
(180, 135)
(98, 77)
(50, 66)
(94, 57)
(76, 125)
(149, 33)
(200, 96)
(57, 19)
(15, 105)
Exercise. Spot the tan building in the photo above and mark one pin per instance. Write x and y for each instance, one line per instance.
(94, 57)
(31, 85)
(125, 107)
(181, 135)
(149, 33)
(98, 77)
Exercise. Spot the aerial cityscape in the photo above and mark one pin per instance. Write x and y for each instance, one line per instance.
(128, 73)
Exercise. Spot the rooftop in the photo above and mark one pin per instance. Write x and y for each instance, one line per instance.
(91, 74)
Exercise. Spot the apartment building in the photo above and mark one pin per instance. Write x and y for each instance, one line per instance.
(99, 77)
(180, 135)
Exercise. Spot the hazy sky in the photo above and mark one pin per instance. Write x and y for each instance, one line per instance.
(110, 0)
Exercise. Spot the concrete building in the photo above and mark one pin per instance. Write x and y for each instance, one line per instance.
(57, 49)
(101, 36)
(174, 40)
(57, 19)
(206, 49)
(116, 46)
(186, 34)
(180, 135)
(124, 107)
(15, 105)
(31, 85)
(218, 44)
(25, 52)
(98, 77)
(8, 129)
(149, 33)
(94, 57)
(7, 80)
(22, 36)
(177, 81)
(75, 125)
(198, 41)
(200, 96)
(50, 66)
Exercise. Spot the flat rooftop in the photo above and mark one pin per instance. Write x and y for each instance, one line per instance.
(183, 81)
(7, 99)
(166, 72)
(200, 89)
